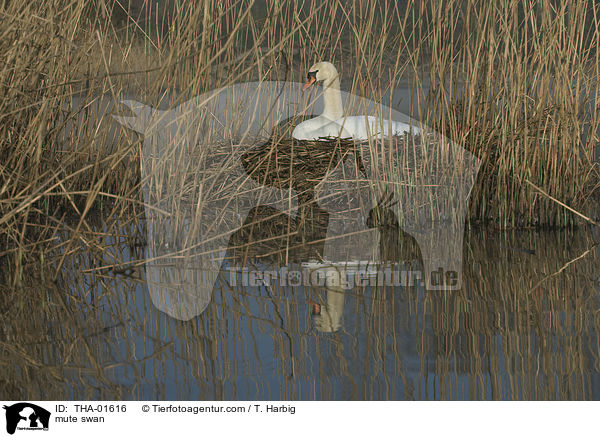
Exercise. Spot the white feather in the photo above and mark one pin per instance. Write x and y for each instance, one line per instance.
(332, 124)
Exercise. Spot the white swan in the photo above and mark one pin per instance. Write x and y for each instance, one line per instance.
(325, 124)
(332, 122)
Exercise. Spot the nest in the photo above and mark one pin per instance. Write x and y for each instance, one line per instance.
(285, 162)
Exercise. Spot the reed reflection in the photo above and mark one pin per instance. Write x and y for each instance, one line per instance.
(524, 326)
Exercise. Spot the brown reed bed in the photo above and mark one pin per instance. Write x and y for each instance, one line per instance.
(513, 83)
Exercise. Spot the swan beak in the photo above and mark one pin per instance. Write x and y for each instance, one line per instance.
(316, 308)
(311, 80)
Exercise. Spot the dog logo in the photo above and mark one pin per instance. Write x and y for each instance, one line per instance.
(26, 416)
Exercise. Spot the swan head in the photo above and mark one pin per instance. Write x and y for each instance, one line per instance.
(321, 71)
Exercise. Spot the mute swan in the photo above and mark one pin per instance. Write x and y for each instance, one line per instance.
(324, 125)
(332, 122)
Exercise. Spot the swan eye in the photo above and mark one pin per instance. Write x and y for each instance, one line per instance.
(312, 75)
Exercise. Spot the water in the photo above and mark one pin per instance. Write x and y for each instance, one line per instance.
(524, 326)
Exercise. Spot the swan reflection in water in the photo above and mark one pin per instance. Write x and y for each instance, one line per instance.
(276, 238)
(395, 247)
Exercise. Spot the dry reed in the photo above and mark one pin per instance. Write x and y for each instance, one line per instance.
(513, 82)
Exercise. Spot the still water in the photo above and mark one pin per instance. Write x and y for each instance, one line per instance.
(524, 326)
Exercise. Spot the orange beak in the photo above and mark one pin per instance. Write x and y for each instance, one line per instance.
(311, 80)
(316, 308)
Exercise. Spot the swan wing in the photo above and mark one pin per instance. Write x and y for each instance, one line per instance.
(361, 127)
(319, 127)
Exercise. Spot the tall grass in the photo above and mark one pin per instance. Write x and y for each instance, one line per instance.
(517, 83)
(513, 82)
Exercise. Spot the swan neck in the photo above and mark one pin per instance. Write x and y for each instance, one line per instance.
(333, 99)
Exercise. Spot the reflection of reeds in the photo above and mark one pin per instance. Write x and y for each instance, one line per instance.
(267, 234)
(501, 337)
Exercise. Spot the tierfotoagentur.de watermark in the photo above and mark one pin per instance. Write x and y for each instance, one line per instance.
(396, 275)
